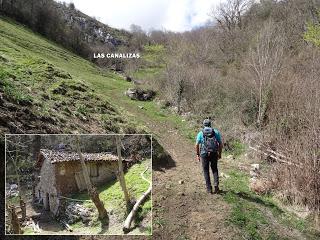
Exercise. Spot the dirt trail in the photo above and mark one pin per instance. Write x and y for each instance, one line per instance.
(185, 210)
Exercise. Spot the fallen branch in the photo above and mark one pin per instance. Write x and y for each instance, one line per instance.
(132, 214)
(127, 223)
(276, 158)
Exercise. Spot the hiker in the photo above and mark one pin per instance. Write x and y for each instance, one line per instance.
(208, 149)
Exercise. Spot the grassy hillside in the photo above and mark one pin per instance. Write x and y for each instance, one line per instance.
(45, 88)
(52, 90)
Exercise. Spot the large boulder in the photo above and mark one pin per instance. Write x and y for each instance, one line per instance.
(140, 94)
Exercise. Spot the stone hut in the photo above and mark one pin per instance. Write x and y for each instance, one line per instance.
(61, 174)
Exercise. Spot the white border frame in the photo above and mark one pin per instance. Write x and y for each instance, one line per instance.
(73, 134)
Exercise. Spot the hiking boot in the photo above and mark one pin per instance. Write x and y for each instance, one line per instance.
(209, 191)
(216, 190)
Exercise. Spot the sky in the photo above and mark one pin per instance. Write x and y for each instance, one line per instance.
(173, 15)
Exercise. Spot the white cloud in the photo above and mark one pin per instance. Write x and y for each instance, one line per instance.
(174, 15)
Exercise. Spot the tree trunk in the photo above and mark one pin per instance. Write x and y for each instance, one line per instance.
(23, 209)
(14, 220)
(36, 145)
(92, 191)
(260, 103)
(121, 174)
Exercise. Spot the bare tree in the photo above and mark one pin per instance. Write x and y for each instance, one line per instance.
(139, 37)
(264, 64)
(232, 37)
(229, 14)
(16, 159)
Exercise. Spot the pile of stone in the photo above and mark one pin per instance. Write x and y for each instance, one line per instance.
(12, 190)
(255, 171)
(257, 183)
(140, 94)
(76, 212)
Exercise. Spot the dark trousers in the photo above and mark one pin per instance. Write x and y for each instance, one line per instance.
(207, 162)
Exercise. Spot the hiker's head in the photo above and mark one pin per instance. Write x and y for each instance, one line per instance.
(207, 123)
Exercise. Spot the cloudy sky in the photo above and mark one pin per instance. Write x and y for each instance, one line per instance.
(174, 15)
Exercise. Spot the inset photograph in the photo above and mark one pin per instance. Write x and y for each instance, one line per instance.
(78, 184)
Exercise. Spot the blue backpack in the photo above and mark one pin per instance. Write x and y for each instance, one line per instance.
(210, 143)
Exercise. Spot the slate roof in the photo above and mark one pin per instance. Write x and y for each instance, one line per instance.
(64, 156)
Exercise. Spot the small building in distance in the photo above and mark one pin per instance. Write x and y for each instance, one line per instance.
(60, 174)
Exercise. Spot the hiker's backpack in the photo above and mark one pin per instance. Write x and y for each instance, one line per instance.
(210, 143)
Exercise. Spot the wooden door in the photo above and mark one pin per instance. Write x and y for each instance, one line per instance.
(80, 181)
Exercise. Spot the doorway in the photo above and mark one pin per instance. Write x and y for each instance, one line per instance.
(47, 202)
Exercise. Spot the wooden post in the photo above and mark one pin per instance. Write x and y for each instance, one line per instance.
(121, 174)
(92, 191)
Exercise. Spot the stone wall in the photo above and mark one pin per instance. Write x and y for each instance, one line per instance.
(106, 173)
(46, 190)
(59, 180)
(65, 175)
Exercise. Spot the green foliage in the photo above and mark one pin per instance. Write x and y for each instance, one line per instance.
(28, 231)
(236, 147)
(111, 194)
(153, 53)
(313, 33)
(248, 210)
(82, 109)
(160, 222)
(15, 94)
(13, 200)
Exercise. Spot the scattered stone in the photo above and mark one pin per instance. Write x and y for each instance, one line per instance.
(140, 94)
(255, 171)
(230, 157)
(141, 107)
(255, 166)
(13, 187)
(254, 174)
(181, 182)
(163, 197)
(223, 175)
(75, 212)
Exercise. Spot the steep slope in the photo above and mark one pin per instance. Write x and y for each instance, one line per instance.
(45, 88)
